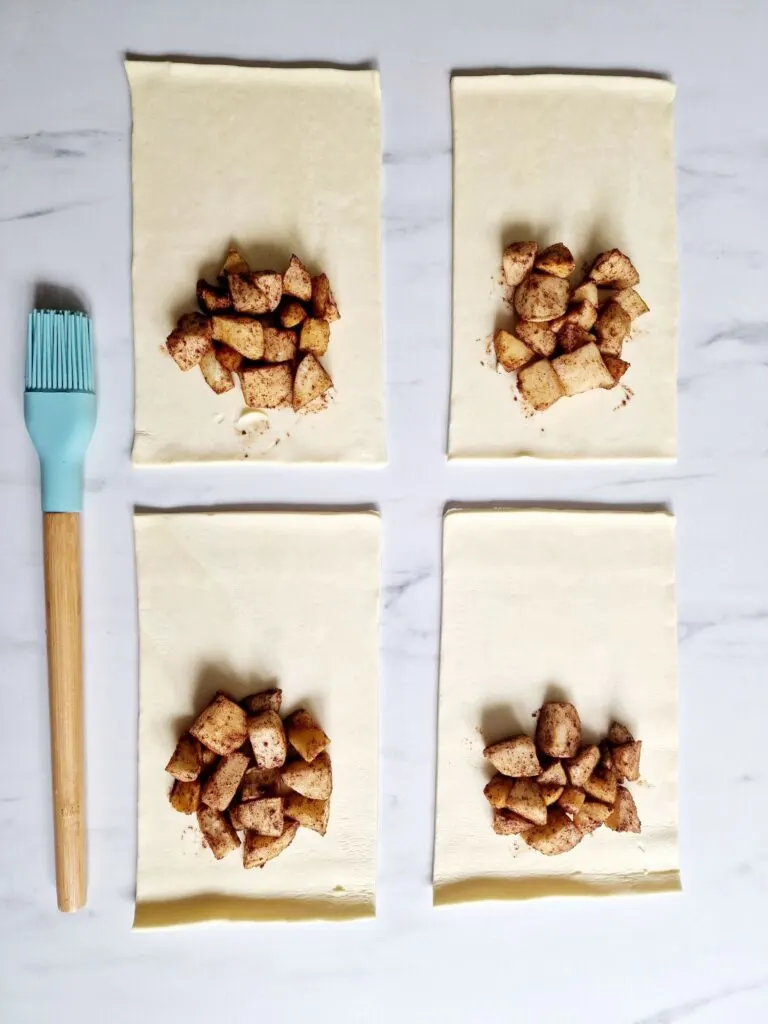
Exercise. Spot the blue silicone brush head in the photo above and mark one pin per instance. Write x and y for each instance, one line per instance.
(60, 403)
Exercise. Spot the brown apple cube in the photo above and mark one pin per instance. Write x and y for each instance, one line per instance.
(539, 385)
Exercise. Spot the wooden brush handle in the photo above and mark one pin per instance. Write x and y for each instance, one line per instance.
(61, 551)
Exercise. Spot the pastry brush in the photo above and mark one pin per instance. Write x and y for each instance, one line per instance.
(60, 411)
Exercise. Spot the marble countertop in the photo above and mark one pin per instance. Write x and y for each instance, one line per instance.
(65, 219)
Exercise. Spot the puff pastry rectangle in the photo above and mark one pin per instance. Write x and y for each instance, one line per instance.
(555, 605)
(241, 602)
(586, 160)
(276, 160)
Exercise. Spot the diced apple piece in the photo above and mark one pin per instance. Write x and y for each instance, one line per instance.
(212, 300)
(291, 313)
(539, 385)
(616, 367)
(612, 269)
(185, 763)
(190, 339)
(556, 259)
(315, 336)
(264, 700)
(538, 336)
(558, 729)
(601, 785)
(571, 336)
(624, 817)
(572, 800)
(266, 387)
(517, 262)
(511, 353)
(279, 345)
(270, 699)
(222, 726)
(259, 783)
(550, 791)
(224, 781)
(541, 297)
(218, 378)
(554, 773)
(264, 816)
(629, 300)
(310, 382)
(582, 370)
(515, 757)
(612, 328)
(606, 757)
(323, 303)
(228, 358)
(305, 735)
(558, 835)
(308, 813)
(241, 333)
(525, 799)
(267, 737)
(626, 760)
(233, 264)
(297, 280)
(619, 734)
(219, 835)
(586, 292)
(581, 313)
(591, 816)
(208, 757)
(312, 779)
(507, 823)
(256, 293)
(582, 765)
(259, 849)
(497, 790)
(185, 796)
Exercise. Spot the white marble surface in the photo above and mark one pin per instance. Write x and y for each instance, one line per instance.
(64, 218)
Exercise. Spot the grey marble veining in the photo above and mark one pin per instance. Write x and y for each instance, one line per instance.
(65, 223)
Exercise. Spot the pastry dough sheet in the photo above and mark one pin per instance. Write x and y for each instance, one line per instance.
(587, 160)
(275, 160)
(240, 601)
(546, 606)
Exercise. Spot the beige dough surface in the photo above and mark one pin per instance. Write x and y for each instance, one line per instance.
(239, 602)
(275, 160)
(581, 159)
(555, 605)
